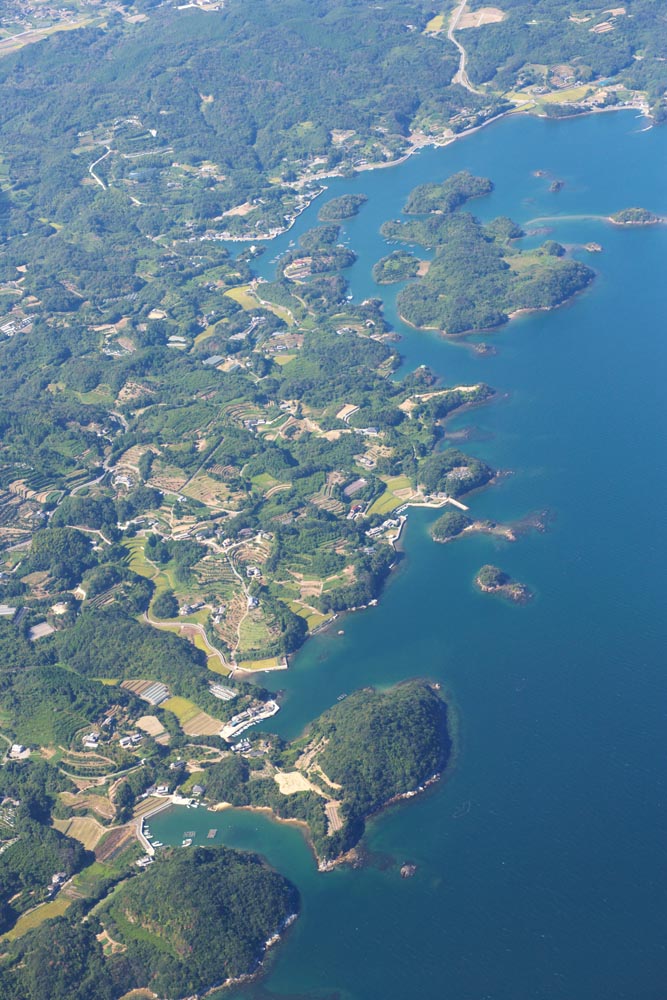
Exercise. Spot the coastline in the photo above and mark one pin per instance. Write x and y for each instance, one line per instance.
(513, 591)
(433, 142)
(481, 528)
(523, 311)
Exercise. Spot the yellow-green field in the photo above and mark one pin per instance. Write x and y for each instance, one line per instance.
(182, 708)
(138, 561)
(312, 618)
(280, 311)
(385, 503)
(192, 720)
(243, 296)
(273, 663)
(85, 829)
(204, 335)
(567, 96)
(29, 921)
(395, 483)
(215, 664)
(436, 23)
(102, 395)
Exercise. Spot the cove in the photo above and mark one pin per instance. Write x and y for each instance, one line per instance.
(541, 860)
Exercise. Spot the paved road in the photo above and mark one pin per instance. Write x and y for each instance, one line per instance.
(461, 75)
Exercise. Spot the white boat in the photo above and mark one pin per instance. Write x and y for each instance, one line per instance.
(187, 842)
(158, 843)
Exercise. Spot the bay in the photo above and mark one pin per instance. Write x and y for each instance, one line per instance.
(541, 863)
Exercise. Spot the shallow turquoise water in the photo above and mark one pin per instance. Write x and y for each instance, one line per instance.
(553, 884)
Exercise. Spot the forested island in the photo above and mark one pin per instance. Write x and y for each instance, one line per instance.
(343, 207)
(478, 278)
(492, 580)
(635, 217)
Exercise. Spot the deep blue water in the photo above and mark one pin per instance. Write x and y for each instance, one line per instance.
(553, 884)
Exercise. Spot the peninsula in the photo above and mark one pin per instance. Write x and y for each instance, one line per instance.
(194, 920)
(183, 921)
(370, 749)
(453, 524)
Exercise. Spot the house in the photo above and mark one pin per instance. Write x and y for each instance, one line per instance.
(198, 790)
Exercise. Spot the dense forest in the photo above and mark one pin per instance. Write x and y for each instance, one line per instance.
(381, 744)
(542, 33)
(193, 920)
(478, 276)
(373, 746)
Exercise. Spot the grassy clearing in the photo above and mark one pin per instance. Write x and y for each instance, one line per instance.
(385, 503)
(36, 917)
(312, 618)
(102, 396)
(182, 708)
(264, 481)
(136, 932)
(204, 335)
(436, 23)
(215, 664)
(242, 295)
(273, 663)
(395, 483)
(564, 96)
(280, 311)
(138, 561)
(86, 830)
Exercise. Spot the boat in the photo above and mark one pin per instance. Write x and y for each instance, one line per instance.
(187, 842)
(158, 843)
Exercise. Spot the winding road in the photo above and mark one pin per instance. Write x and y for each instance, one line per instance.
(461, 76)
(91, 170)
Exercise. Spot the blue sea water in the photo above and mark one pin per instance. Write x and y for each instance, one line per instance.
(541, 861)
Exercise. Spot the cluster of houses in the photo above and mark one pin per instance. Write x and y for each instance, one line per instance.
(133, 740)
(91, 741)
(391, 522)
(239, 723)
(57, 882)
(14, 326)
(189, 609)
